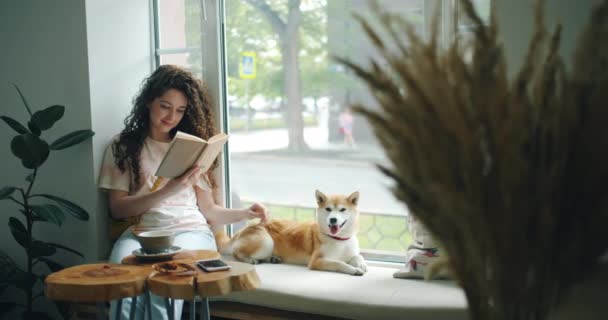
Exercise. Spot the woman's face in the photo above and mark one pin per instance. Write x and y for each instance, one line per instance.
(166, 112)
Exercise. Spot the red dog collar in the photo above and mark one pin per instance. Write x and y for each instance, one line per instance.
(338, 238)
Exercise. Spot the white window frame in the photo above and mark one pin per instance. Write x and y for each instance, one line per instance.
(214, 71)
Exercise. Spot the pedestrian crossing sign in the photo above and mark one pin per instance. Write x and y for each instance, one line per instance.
(247, 65)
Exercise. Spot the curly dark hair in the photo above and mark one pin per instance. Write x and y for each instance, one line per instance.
(197, 119)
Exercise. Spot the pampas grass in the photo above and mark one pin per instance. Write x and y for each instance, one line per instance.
(511, 175)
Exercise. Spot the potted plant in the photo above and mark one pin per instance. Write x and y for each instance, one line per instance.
(30, 147)
(509, 173)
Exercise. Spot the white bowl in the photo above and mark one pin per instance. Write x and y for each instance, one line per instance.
(153, 242)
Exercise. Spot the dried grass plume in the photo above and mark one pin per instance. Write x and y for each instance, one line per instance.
(511, 175)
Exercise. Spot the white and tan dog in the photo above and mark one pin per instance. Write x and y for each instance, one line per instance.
(329, 244)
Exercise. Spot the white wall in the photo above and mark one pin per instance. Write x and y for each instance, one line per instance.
(515, 25)
(91, 57)
(120, 57)
(44, 52)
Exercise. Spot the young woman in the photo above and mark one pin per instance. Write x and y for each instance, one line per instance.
(346, 122)
(171, 99)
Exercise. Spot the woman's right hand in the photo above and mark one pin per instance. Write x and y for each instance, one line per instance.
(183, 182)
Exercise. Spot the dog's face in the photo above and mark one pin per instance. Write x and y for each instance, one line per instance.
(337, 215)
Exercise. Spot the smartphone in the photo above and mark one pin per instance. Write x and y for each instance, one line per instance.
(211, 265)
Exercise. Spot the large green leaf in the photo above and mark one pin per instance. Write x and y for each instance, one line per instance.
(32, 150)
(49, 213)
(53, 265)
(71, 139)
(72, 208)
(45, 119)
(56, 245)
(16, 224)
(27, 106)
(6, 192)
(41, 249)
(34, 128)
(18, 231)
(14, 124)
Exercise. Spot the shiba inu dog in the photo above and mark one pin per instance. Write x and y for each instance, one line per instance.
(329, 243)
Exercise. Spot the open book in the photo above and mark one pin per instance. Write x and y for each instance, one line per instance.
(187, 150)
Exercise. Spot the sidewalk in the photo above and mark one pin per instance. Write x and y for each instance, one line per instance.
(273, 143)
(263, 170)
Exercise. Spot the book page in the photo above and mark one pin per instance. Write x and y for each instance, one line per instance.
(211, 151)
(181, 156)
(184, 136)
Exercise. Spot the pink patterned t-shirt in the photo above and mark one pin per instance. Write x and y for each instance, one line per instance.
(179, 212)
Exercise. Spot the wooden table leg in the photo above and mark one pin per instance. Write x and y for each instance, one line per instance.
(148, 305)
(133, 308)
(118, 309)
(205, 313)
(101, 310)
(169, 305)
(193, 309)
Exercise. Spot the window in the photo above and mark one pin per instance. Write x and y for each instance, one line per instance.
(178, 33)
(287, 102)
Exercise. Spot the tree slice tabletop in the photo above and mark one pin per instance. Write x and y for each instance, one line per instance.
(174, 285)
(96, 282)
(183, 256)
(240, 277)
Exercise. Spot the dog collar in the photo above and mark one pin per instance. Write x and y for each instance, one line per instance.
(338, 238)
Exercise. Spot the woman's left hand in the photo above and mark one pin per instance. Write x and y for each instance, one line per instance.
(257, 210)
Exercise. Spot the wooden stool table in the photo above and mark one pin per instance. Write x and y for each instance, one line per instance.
(241, 276)
(100, 282)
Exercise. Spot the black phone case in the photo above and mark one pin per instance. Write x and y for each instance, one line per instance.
(213, 265)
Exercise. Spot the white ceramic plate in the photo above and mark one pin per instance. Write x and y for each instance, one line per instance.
(157, 256)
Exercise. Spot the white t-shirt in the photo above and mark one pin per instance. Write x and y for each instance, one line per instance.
(178, 212)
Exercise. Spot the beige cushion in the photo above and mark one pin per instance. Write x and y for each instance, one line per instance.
(376, 295)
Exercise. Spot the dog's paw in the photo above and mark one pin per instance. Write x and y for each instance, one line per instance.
(359, 272)
(358, 263)
(275, 259)
(363, 267)
(252, 260)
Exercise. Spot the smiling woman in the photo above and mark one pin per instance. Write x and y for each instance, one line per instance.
(171, 99)
(166, 112)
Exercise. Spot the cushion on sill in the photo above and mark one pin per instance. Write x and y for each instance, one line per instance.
(376, 295)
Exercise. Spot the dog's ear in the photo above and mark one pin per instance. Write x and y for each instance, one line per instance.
(353, 198)
(321, 198)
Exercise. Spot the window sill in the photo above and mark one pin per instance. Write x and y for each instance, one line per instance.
(376, 295)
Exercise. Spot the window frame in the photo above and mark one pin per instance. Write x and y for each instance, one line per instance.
(214, 74)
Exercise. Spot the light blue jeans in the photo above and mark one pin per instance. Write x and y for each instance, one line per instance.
(188, 240)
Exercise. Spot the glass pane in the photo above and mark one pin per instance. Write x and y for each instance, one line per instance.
(483, 9)
(190, 60)
(292, 130)
(179, 29)
(465, 26)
